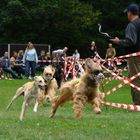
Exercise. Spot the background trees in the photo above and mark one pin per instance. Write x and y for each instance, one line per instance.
(71, 23)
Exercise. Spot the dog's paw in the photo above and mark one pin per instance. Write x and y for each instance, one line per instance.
(97, 110)
(51, 116)
(35, 110)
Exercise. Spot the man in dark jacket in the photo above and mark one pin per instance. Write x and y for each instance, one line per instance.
(132, 42)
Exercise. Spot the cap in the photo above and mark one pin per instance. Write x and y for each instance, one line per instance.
(133, 8)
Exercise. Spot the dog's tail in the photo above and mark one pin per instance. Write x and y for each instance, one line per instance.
(19, 92)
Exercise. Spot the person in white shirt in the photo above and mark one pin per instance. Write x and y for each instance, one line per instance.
(60, 52)
(30, 59)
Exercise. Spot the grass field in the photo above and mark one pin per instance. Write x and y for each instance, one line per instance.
(114, 124)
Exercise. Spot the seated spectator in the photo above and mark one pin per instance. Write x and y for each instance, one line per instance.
(16, 66)
(20, 57)
(41, 64)
(1, 70)
(76, 55)
(48, 58)
(6, 66)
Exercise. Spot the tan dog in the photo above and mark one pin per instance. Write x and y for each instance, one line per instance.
(85, 89)
(30, 90)
(51, 83)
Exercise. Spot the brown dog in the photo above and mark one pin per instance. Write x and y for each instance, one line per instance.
(82, 90)
(51, 83)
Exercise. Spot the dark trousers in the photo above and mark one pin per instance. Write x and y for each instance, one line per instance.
(134, 68)
(19, 70)
(30, 65)
(10, 71)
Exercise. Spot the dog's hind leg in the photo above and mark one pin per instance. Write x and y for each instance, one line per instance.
(24, 105)
(60, 100)
(19, 92)
(79, 102)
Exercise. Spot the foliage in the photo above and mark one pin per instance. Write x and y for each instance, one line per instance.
(62, 22)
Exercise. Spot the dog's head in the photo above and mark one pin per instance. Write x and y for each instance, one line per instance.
(39, 82)
(48, 73)
(93, 70)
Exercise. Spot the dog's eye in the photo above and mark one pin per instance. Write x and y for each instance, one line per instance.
(48, 74)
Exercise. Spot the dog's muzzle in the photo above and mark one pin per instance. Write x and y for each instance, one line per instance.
(99, 78)
(48, 77)
(42, 87)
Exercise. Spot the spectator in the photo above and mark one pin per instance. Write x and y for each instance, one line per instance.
(110, 53)
(76, 54)
(6, 66)
(1, 70)
(30, 59)
(41, 63)
(15, 66)
(20, 57)
(92, 51)
(48, 58)
(60, 54)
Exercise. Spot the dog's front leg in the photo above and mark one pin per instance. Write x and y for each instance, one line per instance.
(96, 105)
(79, 102)
(35, 106)
(50, 94)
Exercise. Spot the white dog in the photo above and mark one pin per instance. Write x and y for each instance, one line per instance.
(31, 90)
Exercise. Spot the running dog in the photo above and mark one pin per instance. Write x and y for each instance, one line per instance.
(51, 83)
(82, 90)
(31, 90)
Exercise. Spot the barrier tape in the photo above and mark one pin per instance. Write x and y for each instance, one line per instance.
(124, 82)
(123, 106)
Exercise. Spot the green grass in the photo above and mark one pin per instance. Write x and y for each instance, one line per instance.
(114, 124)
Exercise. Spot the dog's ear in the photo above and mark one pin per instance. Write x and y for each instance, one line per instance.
(35, 78)
(53, 69)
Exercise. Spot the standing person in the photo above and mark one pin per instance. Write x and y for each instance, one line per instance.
(132, 42)
(76, 55)
(60, 54)
(92, 50)
(110, 53)
(30, 59)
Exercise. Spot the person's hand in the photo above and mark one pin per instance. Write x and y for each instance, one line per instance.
(115, 40)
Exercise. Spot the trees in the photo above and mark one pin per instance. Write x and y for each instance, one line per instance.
(61, 22)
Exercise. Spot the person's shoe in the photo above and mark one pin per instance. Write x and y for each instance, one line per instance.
(30, 78)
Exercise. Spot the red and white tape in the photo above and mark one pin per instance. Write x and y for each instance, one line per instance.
(124, 82)
(123, 106)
